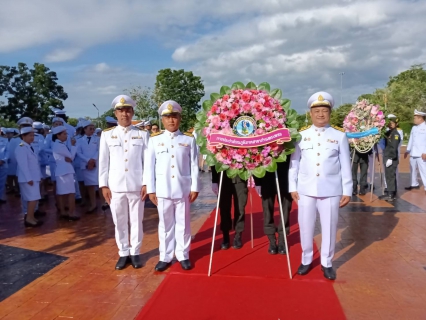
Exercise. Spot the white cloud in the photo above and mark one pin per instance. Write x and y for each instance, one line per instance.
(299, 46)
(60, 55)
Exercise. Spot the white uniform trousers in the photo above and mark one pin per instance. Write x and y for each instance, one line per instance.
(174, 228)
(3, 177)
(127, 210)
(417, 162)
(328, 209)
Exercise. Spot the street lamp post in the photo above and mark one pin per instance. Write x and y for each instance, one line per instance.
(98, 114)
(341, 87)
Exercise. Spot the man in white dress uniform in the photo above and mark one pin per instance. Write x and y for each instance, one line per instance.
(121, 168)
(172, 184)
(320, 180)
(417, 150)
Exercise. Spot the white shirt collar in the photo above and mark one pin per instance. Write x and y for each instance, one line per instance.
(172, 134)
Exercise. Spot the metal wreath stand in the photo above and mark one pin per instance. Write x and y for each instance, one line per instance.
(251, 220)
(375, 153)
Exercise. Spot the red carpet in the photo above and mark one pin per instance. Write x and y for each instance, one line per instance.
(246, 283)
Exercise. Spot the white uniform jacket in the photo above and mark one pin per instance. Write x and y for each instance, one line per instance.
(28, 165)
(48, 146)
(321, 165)
(172, 164)
(417, 143)
(13, 144)
(60, 152)
(4, 152)
(88, 150)
(121, 158)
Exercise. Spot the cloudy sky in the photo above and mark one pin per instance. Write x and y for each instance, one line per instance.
(101, 47)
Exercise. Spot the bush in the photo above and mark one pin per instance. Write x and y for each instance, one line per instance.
(406, 128)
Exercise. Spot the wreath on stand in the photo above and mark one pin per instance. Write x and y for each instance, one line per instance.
(364, 125)
(246, 130)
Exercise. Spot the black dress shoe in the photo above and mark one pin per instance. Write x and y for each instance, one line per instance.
(354, 193)
(32, 225)
(78, 201)
(329, 273)
(362, 192)
(185, 264)
(136, 261)
(73, 218)
(225, 243)
(272, 244)
(121, 263)
(281, 249)
(237, 241)
(303, 269)
(391, 197)
(162, 266)
(105, 207)
(39, 214)
(2, 201)
(224, 246)
(412, 187)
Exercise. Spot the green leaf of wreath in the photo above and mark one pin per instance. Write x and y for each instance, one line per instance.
(272, 166)
(251, 85)
(225, 90)
(237, 85)
(286, 103)
(244, 175)
(282, 157)
(207, 105)
(259, 172)
(276, 93)
(264, 86)
(219, 166)
(214, 97)
(232, 173)
(201, 117)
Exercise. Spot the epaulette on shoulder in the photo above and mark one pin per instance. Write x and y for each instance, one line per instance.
(21, 144)
(189, 134)
(338, 128)
(304, 128)
(16, 136)
(157, 134)
(140, 129)
(108, 129)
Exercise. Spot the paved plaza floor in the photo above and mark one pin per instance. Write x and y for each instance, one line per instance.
(66, 269)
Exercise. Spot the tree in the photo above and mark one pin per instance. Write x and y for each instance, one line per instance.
(403, 93)
(30, 92)
(72, 121)
(184, 88)
(339, 114)
(146, 107)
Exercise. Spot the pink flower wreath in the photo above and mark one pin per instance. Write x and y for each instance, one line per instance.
(266, 109)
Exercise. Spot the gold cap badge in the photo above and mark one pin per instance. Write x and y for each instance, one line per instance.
(122, 100)
(170, 107)
(320, 98)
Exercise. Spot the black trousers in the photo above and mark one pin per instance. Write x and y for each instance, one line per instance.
(390, 175)
(362, 162)
(269, 194)
(238, 191)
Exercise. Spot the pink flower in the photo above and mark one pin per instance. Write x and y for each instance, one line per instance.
(267, 161)
(250, 166)
(247, 107)
(260, 131)
(225, 97)
(246, 96)
(254, 151)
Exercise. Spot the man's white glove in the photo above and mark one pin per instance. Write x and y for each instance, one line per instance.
(215, 188)
(258, 190)
(388, 163)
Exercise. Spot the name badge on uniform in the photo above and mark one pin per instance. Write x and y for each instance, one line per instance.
(183, 144)
(136, 137)
(307, 139)
(396, 137)
(332, 141)
(113, 137)
(160, 144)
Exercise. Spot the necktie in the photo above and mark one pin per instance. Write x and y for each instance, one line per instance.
(88, 140)
(32, 149)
